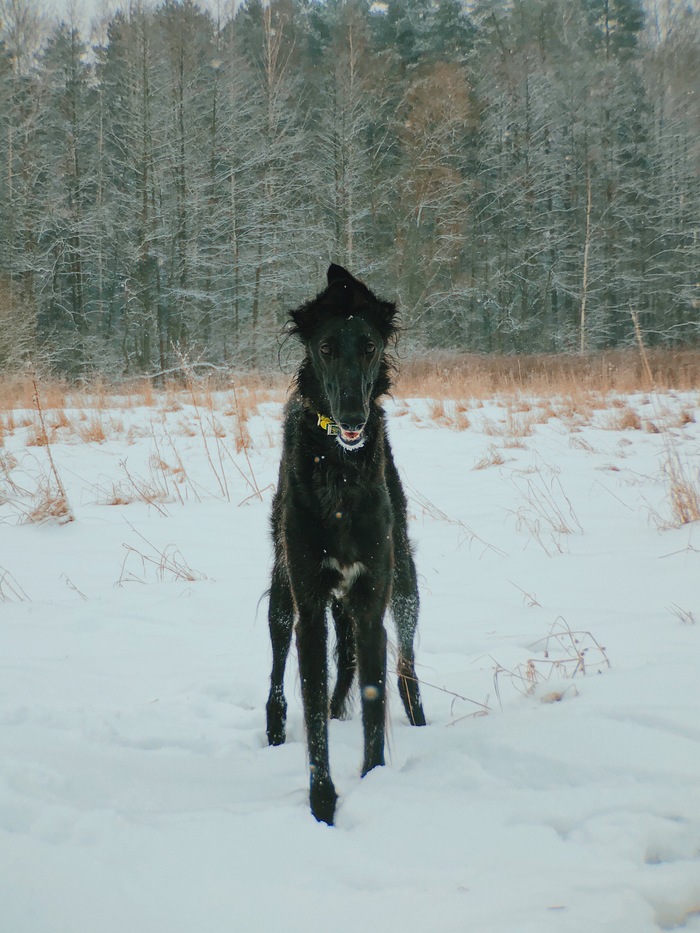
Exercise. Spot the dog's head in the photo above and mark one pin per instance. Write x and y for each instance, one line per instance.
(345, 331)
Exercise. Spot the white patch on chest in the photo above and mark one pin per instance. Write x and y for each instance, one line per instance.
(350, 573)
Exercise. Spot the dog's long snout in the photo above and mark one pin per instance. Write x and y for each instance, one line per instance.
(352, 409)
(352, 423)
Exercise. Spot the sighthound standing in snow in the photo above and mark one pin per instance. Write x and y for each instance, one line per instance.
(339, 530)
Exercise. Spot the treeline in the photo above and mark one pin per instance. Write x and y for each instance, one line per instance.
(520, 175)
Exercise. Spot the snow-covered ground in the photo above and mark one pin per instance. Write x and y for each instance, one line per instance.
(557, 786)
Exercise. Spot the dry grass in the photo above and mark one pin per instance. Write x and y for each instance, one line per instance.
(171, 401)
(562, 654)
(580, 443)
(33, 493)
(531, 390)
(37, 436)
(17, 392)
(437, 411)
(244, 404)
(449, 375)
(51, 500)
(145, 561)
(683, 615)
(684, 489)
(444, 413)
(94, 431)
(681, 418)
(547, 514)
(622, 418)
(58, 420)
(10, 589)
(426, 507)
(50, 504)
(186, 428)
(514, 443)
(153, 491)
(8, 424)
(492, 458)
(515, 424)
(683, 480)
(586, 380)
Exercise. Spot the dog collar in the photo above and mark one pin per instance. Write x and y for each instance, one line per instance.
(327, 424)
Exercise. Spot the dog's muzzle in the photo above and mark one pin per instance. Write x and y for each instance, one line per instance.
(351, 440)
(348, 438)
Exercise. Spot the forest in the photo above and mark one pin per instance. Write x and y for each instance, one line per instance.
(521, 176)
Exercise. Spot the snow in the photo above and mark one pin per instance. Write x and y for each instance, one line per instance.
(136, 789)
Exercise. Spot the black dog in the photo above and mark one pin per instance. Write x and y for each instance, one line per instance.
(339, 528)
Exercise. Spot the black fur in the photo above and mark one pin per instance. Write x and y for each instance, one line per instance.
(339, 529)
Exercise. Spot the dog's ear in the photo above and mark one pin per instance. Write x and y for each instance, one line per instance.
(353, 298)
(361, 299)
(304, 320)
(384, 316)
(338, 274)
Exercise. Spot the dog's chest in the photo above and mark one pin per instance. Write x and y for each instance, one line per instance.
(340, 492)
(352, 503)
(348, 574)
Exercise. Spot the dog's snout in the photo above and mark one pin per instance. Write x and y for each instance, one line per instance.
(353, 423)
(351, 411)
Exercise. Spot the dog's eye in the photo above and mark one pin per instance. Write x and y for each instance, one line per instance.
(326, 349)
(370, 348)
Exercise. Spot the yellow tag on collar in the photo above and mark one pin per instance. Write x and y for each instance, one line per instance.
(327, 424)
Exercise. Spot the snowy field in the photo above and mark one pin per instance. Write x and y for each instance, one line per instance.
(556, 788)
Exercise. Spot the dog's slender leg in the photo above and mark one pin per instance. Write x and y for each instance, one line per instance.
(371, 652)
(404, 608)
(313, 667)
(345, 650)
(368, 604)
(404, 597)
(280, 618)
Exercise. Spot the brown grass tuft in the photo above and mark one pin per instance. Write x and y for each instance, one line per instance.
(623, 418)
(492, 458)
(683, 417)
(50, 503)
(94, 431)
(59, 419)
(683, 481)
(684, 490)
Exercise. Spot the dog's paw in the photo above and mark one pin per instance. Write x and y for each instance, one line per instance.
(323, 799)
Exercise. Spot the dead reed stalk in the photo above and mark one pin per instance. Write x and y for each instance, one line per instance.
(220, 476)
(167, 563)
(243, 441)
(429, 508)
(10, 589)
(562, 654)
(53, 504)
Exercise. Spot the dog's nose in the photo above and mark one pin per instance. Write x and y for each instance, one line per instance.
(353, 424)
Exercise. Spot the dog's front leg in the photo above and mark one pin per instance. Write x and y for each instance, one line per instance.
(369, 597)
(313, 668)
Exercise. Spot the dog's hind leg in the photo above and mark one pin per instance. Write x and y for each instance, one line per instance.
(404, 608)
(345, 652)
(280, 618)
